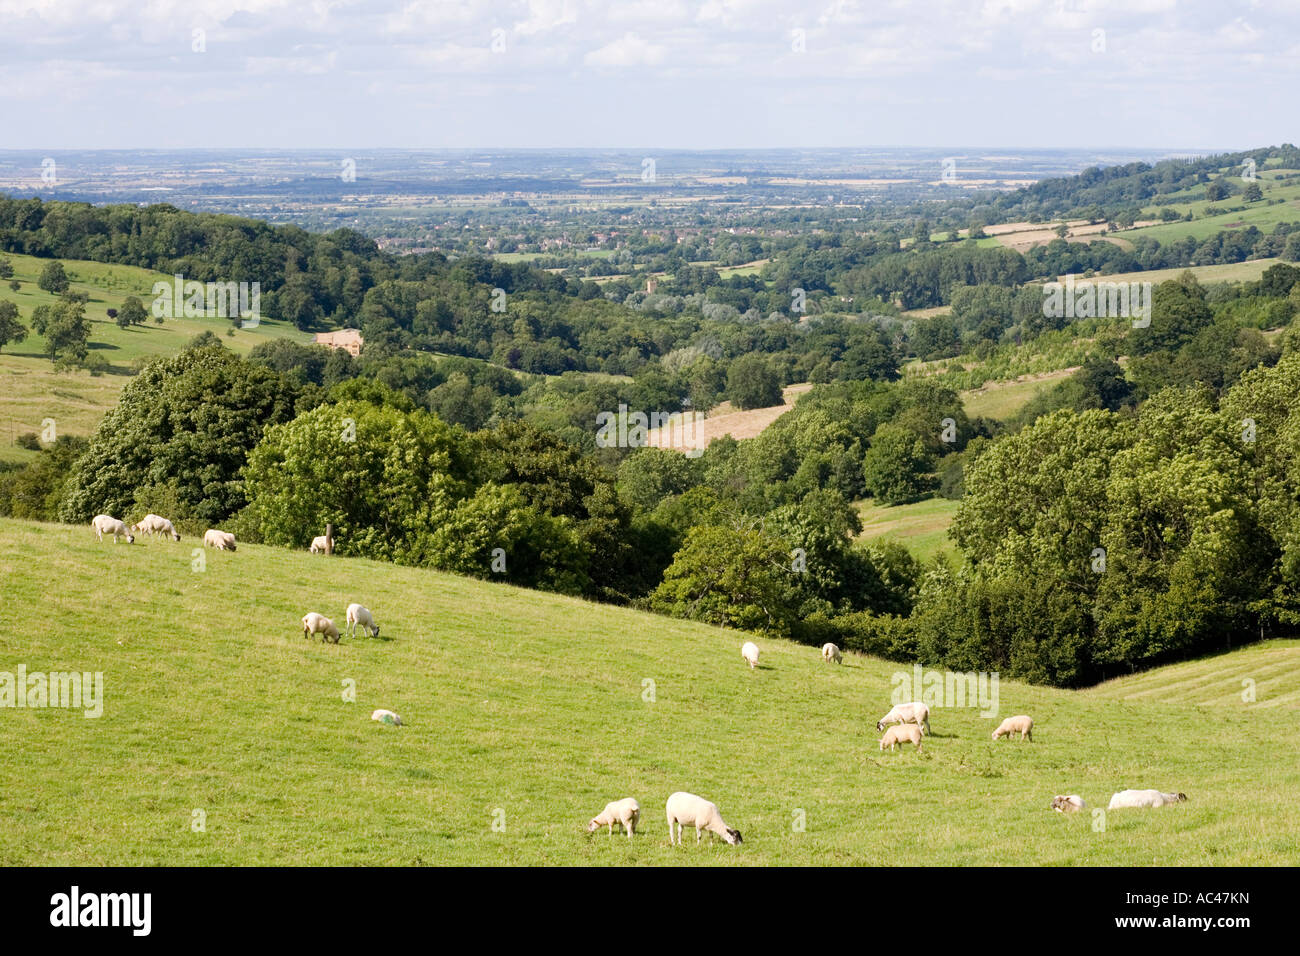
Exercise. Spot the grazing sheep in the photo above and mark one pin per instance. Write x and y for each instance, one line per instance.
(321, 545)
(386, 717)
(106, 524)
(152, 524)
(913, 713)
(902, 734)
(361, 615)
(221, 540)
(686, 809)
(832, 653)
(1144, 798)
(1070, 804)
(314, 623)
(1020, 724)
(625, 813)
(749, 651)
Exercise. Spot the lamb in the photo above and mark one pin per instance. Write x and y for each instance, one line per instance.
(106, 524)
(1144, 798)
(152, 524)
(749, 651)
(322, 545)
(314, 623)
(1020, 724)
(221, 540)
(1068, 804)
(832, 653)
(357, 614)
(902, 734)
(913, 713)
(386, 717)
(686, 809)
(625, 813)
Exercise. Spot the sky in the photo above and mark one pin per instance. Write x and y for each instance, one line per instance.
(666, 74)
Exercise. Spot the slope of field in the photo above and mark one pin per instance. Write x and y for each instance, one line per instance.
(524, 713)
(922, 525)
(1259, 213)
(32, 391)
(1247, 271)
(1001, 400)
(722, 420)
(1270, 671)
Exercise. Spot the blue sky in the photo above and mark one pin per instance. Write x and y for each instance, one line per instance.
(112, 74)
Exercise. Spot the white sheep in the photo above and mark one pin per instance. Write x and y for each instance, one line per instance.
(749, 651)
(106, 524)
(902, 734)
(221, 540)
(832, 653)
(386, 717)
(152, 524)
(1144, 798)
(321, 545)
(686, 809)
(625, 813)
(357, 614)
(314, 623)
(1068, 804)
(1020, 724)
(913, 713)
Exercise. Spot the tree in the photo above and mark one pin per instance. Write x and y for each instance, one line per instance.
(6, 268)
(1252, 193)
(384, 478)
(897, 466)
(752, 382)
(1217, 190)
(34, 492)
(1178, 312)
(11, 330)
(730, 578)
(132, 313)
(649, 475)
(53, 278)
(984, 310)
(189, 422)
(496, 534)
(65, 328)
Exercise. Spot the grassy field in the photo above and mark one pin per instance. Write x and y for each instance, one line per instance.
(524, 713)
(922, 525)
(1228, 272)
(1259, 213)
(30, 389)
(1001, 400)
(1267, 669)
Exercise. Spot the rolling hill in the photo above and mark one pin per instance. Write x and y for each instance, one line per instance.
(31, 390)
(525, 712)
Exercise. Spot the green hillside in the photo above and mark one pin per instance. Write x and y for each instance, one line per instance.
(1269, 670)
(32, 391)
(532, 710)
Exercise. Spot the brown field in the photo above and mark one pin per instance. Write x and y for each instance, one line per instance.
(724, 420)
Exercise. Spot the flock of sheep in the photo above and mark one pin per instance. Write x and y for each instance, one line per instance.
(312, 622)
(906, 723)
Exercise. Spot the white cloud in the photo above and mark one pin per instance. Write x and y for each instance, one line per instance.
(627, 51)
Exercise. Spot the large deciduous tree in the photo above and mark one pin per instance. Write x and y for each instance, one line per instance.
(186, 424)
